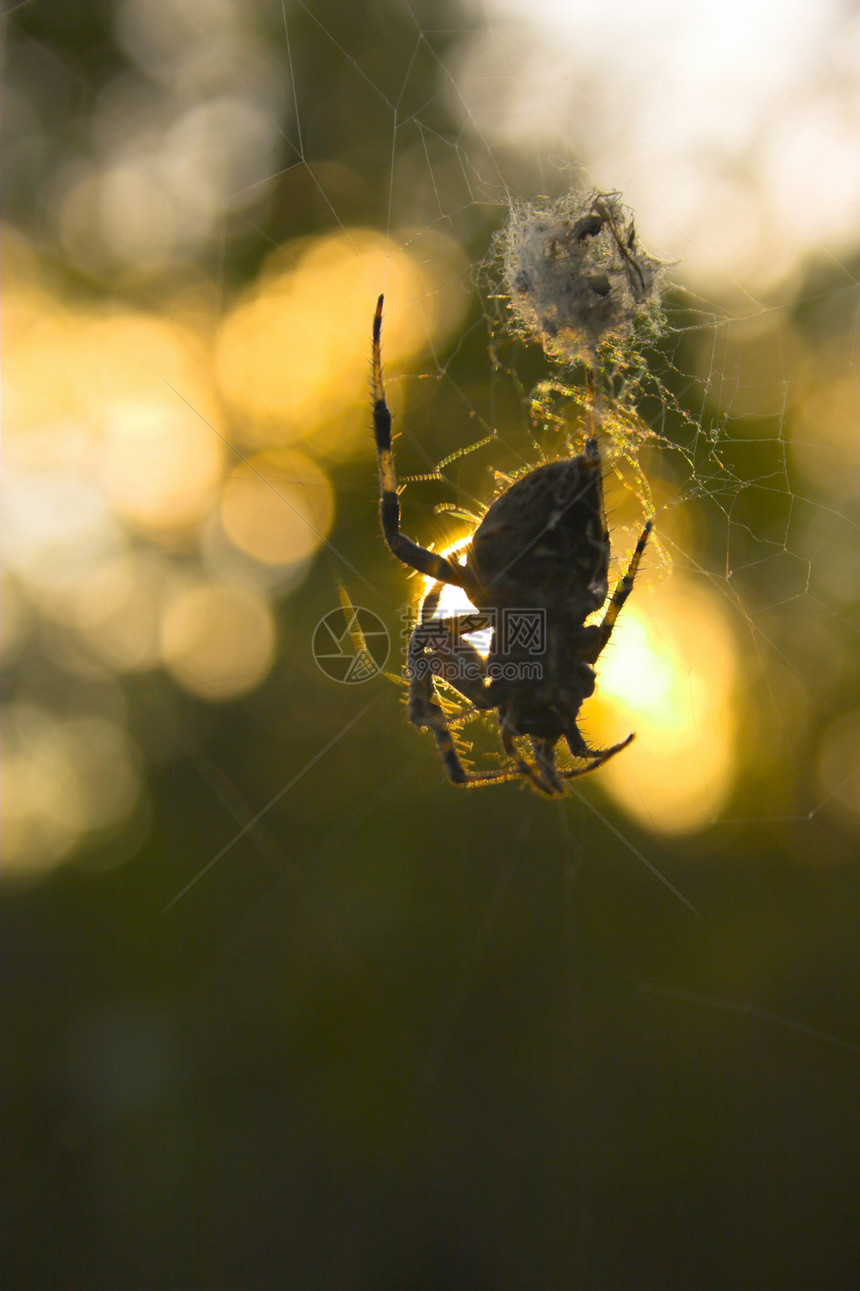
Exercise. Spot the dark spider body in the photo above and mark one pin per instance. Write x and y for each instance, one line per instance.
(539, 559)
(543, 546)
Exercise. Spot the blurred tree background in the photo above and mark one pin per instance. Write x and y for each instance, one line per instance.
(285, 1009)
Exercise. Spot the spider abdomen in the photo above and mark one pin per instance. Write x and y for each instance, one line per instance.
(544, 541)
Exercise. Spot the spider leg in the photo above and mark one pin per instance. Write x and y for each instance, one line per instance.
(438, 647)
(426, 562)
(596, 757)
(506, 734)
(454, 768)
(544, 784)
(619, 596)
(544, 751)
(463, 668)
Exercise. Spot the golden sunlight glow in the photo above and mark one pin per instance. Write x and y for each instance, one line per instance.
(162, 459)
(62, 778)
(161, 464)
(736, 72)
(119, 398)
(452, 600)
(668, 674)
(292, 357)
(278, 507)
(218, 639)
(43, 385)
(117, 611)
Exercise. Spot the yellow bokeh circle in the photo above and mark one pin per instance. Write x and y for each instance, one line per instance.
(292, 356)
(277, 507)
(668, 674)
(218, 639)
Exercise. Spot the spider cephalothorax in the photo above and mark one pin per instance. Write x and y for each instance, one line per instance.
(535, 569)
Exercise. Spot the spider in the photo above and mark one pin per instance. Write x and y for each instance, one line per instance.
(535, 568)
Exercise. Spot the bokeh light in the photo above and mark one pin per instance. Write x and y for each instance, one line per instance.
(825, 444)
(292, 355)
(174, 144)
(669, 674)
(724, 184)
(218, 639)
(172, 427)
(63, 778)
(118, 610)
(277, 507)
(122, 460)
(115, 398)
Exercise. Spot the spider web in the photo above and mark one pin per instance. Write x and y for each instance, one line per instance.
(711, 428)
(735, 428)
(734, 425)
